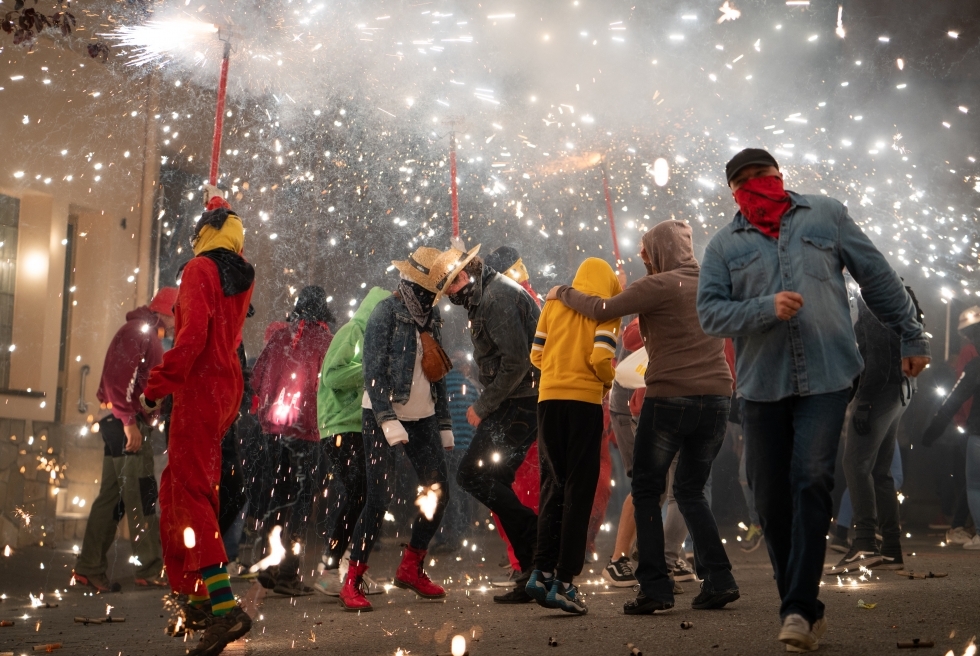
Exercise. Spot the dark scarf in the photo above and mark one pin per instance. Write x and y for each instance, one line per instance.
(235, 273)
(464, 296)
(418, 300)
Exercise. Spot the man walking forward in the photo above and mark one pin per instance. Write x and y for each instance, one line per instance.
(773, 281)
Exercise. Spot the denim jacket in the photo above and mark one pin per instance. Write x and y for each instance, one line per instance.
(390, 340)
(503, 318)
(815, 352)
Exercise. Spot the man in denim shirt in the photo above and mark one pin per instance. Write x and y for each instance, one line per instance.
(772, 280)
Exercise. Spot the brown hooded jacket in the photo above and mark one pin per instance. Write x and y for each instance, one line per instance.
(683, 360)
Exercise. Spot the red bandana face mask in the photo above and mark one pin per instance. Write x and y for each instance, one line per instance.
(763, 202)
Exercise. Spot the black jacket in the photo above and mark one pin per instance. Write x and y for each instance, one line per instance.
(503, 319)
(881, 350)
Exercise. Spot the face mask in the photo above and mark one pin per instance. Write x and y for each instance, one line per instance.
(462, 296)
(763, 201)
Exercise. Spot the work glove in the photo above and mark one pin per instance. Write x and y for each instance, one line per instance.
(150, 407)
(448, 441)
(394, 432)
(862, 415)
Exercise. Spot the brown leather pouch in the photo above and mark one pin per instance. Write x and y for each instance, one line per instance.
(435, 363)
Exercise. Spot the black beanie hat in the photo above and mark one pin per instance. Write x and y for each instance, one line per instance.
(311, 305)
(748, 157)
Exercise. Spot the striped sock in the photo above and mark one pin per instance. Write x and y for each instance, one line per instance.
(197, 600)
(219, 589)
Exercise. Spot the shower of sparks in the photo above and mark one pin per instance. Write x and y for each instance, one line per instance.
(160, 40)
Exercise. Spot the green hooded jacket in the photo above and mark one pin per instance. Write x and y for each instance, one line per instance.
(338, 398)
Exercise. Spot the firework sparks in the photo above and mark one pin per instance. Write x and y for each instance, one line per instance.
(161, 40)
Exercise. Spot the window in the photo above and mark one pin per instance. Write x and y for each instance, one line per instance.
(9, 214)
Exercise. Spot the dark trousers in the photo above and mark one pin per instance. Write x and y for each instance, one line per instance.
(343, 482)
(692, 428)
(425, 452)
(292, 491)
(791, 448)
(569, 441)
(867, 467)
(487, 471)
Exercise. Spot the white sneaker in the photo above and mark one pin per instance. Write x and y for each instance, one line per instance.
(817, 630)
(798, 633)
(973, 544)
(958, 535)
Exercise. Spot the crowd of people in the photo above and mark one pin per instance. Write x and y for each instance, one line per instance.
(764, 342)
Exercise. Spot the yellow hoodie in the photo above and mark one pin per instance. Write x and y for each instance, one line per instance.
(575, 353)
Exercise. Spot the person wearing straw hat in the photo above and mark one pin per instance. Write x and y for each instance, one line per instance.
(503, 319)
(405, 403)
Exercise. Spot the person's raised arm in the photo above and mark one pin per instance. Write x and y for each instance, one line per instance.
(638, 298)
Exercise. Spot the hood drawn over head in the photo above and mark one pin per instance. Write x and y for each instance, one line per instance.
(596, 277)
(670, 246)
(364, 310)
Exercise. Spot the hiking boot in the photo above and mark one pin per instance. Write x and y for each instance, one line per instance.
(619, 573)
(539, 588)
(752, 539)
(816, 630)
(197, 618)
(797, 633)
(519, 594)
(351, 595)
(710, 598)
(682, 571)
(567, 598)
(99, 582)
(223, 630)
(644, 605)
(859, 556)
(412, 576)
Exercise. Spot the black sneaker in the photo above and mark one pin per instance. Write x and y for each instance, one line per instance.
(223, 630)
(859, 556)
(644, 605)
(710, 598)
(682, 571)
(619, 573)
(518, 594)
(292, 588)
(891, 558)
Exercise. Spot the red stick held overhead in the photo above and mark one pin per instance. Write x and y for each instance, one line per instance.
(219, 117)
(612, 220)
(452, 182)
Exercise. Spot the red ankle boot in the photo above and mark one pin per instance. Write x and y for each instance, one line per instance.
(351, 595)
(411, 575)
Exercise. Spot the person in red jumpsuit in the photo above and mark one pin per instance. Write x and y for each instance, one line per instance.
(203, 373)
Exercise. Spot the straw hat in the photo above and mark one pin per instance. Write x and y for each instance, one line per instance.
(434, 269)
(969, 316)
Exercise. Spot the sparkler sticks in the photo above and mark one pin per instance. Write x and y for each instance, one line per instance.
(219, 117)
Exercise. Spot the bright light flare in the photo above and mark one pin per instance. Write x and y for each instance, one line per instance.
(276, 551)
(458, 645)
(161, 39)
(428, 500)
(661, 172)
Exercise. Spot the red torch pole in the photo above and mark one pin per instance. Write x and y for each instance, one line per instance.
(219, 117)
(609, 213)
(452, 182)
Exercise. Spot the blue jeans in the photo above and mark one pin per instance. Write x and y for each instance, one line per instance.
(425, 452)
(973, 476)
(791, 447)
(694, 428)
